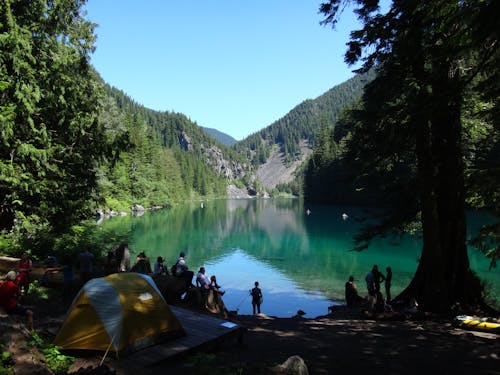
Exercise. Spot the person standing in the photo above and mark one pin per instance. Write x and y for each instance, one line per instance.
(388, 280)
(123, 257)
(377, 278)
(86, 259)
(257, 299)
(370, 283)
(68, 278)
(23, 279)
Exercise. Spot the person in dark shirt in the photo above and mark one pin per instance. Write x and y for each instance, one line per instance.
(377, 278)
(352, 297)
(388, 280)
(256, 294)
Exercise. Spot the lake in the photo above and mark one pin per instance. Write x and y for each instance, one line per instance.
(301, 260)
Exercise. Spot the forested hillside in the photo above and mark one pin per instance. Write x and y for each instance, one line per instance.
(279, 152)
(69, 144)
(164, 157)
(302, 123)
(223, 138)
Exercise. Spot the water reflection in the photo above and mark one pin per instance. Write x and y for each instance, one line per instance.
(283, 296)
(302, 261)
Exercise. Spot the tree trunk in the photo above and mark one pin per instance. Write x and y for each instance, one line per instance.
(443, 277)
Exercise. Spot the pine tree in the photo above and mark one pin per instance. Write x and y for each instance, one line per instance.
(427, 54)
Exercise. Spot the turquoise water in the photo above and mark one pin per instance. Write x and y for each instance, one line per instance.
(301, 261)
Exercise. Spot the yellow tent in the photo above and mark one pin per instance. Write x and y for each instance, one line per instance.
(118, 312)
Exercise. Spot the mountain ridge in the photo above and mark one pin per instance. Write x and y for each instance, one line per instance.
(222, 137)
(199, 160)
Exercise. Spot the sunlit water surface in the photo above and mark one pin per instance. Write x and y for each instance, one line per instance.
(301, 261)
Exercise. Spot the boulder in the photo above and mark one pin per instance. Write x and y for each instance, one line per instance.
(171, 287)
(293, 365)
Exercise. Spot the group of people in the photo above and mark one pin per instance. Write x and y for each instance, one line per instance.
(376, 300)
(12, 286)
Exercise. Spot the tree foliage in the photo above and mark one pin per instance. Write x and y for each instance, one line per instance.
(162, 159)
(410, 127)
(51, 141)
(69, 143)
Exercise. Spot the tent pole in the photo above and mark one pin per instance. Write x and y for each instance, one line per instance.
(107, 350)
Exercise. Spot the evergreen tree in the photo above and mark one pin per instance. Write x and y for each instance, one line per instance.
(427, 55)
(51, 141)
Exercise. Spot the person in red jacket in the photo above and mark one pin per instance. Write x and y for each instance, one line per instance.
(9, 292)
(23, 279)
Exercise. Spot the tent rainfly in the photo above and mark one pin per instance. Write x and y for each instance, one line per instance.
(121, 312)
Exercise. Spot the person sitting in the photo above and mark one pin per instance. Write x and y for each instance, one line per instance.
(142, 264)
(412, 308)
(202, 280)
(180, 269)
(214, 286)
(351, 293)
(380, 304)
(159, 267)
(9, 293)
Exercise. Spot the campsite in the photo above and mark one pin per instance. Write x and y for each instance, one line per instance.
(294, 150)
(344, 340)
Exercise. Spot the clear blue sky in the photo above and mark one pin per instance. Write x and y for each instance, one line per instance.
(236, 66)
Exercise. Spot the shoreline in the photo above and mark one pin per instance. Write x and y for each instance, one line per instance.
(346, 340)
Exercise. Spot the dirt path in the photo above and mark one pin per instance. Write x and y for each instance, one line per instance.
(345, 344)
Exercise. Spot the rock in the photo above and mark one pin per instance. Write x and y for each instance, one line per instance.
(171, 287)
(233, 192)
(185, 141)
(229, 169)
(138, 208)
(293, 365)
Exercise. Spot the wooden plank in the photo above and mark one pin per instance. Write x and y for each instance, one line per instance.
(201, 330)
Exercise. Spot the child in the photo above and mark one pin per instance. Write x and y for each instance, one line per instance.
(256, 294)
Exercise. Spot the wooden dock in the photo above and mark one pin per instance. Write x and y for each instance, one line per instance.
(202, 332)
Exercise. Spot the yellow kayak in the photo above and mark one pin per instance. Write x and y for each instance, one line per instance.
(469, 322)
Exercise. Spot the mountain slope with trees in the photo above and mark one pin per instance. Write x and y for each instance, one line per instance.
(165, 157)
(70, 144)
(291, 138)
(223, 138)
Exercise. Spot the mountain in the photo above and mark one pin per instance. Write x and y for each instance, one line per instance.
(279, 150)
(163, 157)
(223, 138)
